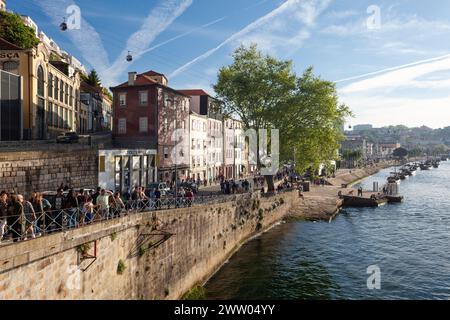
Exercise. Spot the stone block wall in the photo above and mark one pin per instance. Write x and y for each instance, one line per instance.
(46, 167)
(165, 253)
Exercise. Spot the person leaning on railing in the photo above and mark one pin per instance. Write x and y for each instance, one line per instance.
(71, 205)
(103, 203)
(117, 205)
(15, 218)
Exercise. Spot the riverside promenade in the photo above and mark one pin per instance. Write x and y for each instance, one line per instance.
(322, 202)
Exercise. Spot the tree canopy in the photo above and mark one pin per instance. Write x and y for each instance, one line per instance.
(265, 92)
(400, 153)
(13, 30)
(92, 79)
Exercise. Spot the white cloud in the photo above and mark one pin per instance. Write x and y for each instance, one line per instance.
(403, 77)
(87, 40)
(413, 94)
(266, 31)
(342, 14)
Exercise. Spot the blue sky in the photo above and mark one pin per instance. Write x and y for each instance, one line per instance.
(405, 59)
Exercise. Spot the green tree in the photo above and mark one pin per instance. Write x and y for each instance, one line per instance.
(13, 30)
(92, 79)
(252, 87)
(266, 93)
(310, 122)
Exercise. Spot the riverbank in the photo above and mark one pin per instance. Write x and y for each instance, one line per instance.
(322, 202)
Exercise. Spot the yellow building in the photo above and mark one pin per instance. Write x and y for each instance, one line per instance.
(50, 89)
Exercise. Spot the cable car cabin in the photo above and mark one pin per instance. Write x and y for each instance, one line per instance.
(129, 57)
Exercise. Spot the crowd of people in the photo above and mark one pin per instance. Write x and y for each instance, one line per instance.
(43, 213)
(232, 187)
(21, 219)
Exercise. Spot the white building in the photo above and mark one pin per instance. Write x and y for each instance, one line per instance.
(199, 146)
(239, 148)
(215, 149)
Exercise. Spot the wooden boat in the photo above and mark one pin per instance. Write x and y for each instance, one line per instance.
(359, 202)
(395, 199)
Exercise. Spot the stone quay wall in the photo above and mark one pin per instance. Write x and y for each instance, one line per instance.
(150, 255)
(44, 168)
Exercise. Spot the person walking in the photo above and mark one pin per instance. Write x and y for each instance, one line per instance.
(29, 218)
(40, 206)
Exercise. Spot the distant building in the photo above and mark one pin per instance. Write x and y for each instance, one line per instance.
(2, 5)
(386, 149)
(362, 127)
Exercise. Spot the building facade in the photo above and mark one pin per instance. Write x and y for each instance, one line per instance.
(49, 89)
(199, 147)
(203, 104)
(10, 106)
(147, 114)
(50, 84)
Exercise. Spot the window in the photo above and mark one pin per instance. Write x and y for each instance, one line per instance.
(50, 85)
(56, 88)
(122, 126)
(40, 79)
(143, 124)
(66, 91)
(122, 99)
(70, 119)
(143, 98)
(183, 125)
(166, 152)
(50, 114)
(166, 99)
(71, 96)
(66, 119)
(11, 66)
(166, 125)
(60, 116)
(61, 90)
(101, 164)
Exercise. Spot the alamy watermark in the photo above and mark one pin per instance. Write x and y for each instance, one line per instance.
(373, 22)
(73, 19)
(374, 279)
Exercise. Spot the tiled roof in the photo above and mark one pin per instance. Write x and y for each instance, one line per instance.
(141, 80)
(194, 92)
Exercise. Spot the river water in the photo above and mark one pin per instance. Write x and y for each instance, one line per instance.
(408, 242)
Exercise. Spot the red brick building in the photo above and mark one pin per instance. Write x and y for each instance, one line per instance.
(146, 112)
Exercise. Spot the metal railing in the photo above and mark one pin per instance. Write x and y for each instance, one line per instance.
(26, 226)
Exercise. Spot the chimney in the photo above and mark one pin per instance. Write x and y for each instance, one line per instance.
(131, 78)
